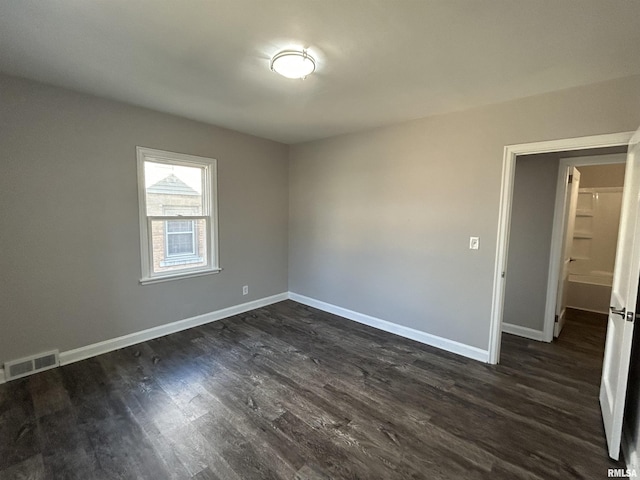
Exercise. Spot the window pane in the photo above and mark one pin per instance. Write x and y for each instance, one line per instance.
(178, 226)
(178, 245)
(181, 237)
(173, 189)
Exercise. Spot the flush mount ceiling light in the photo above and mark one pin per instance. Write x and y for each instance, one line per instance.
(293, 63)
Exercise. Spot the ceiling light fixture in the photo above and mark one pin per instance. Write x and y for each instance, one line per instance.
(293, 64)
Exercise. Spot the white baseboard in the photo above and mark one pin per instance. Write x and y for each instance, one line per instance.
(88, 351)
(417, 335)
(99, 348)
(523, 332)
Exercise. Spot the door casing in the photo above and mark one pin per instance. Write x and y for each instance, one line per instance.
(504, 222)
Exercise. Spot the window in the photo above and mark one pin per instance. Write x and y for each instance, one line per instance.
(180, 238)
(178, 217)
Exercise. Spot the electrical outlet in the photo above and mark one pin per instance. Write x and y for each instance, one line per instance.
(474, 243)
(245, 290)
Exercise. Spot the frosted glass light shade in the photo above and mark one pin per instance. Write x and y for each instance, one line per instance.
(293, 64)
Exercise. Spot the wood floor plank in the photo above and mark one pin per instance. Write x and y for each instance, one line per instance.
(291, 392)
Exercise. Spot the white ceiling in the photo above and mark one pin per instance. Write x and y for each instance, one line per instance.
(379, 61)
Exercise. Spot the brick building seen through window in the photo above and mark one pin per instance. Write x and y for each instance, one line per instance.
(176, 243)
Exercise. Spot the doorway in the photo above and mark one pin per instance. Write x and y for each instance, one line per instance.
(590, 237)
(624, 292)
(563, 237)
(581, 144)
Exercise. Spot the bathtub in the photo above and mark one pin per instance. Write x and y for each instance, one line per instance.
(591, 292)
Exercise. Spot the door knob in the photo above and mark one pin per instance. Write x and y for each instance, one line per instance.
(620, 312)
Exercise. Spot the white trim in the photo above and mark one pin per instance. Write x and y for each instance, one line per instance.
(89, 351)
(609, 159)
(417, 335)
(525, 332)
(166, 278)
(504, 213)
(555, 252)
(573, 144)
(500, 269)
(106, 346)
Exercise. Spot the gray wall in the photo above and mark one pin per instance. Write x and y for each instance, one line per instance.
(534, 196)
(70, 244)
(380, 220)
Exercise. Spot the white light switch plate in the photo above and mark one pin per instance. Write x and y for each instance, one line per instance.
(474, 243)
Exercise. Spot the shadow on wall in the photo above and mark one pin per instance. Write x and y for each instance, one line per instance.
(532, 209)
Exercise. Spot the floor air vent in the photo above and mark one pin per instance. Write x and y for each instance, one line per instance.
(30, 365)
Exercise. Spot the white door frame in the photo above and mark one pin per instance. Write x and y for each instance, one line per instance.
(557, 233)
(504, 214)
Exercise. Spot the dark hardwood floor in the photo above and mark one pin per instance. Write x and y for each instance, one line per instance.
(288, 391)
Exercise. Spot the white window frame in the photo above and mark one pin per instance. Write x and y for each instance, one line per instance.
(209, 214)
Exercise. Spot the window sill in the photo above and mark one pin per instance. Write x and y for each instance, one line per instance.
(178, 276)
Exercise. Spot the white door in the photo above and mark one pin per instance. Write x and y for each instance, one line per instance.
(570, 206)
(624, 295)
